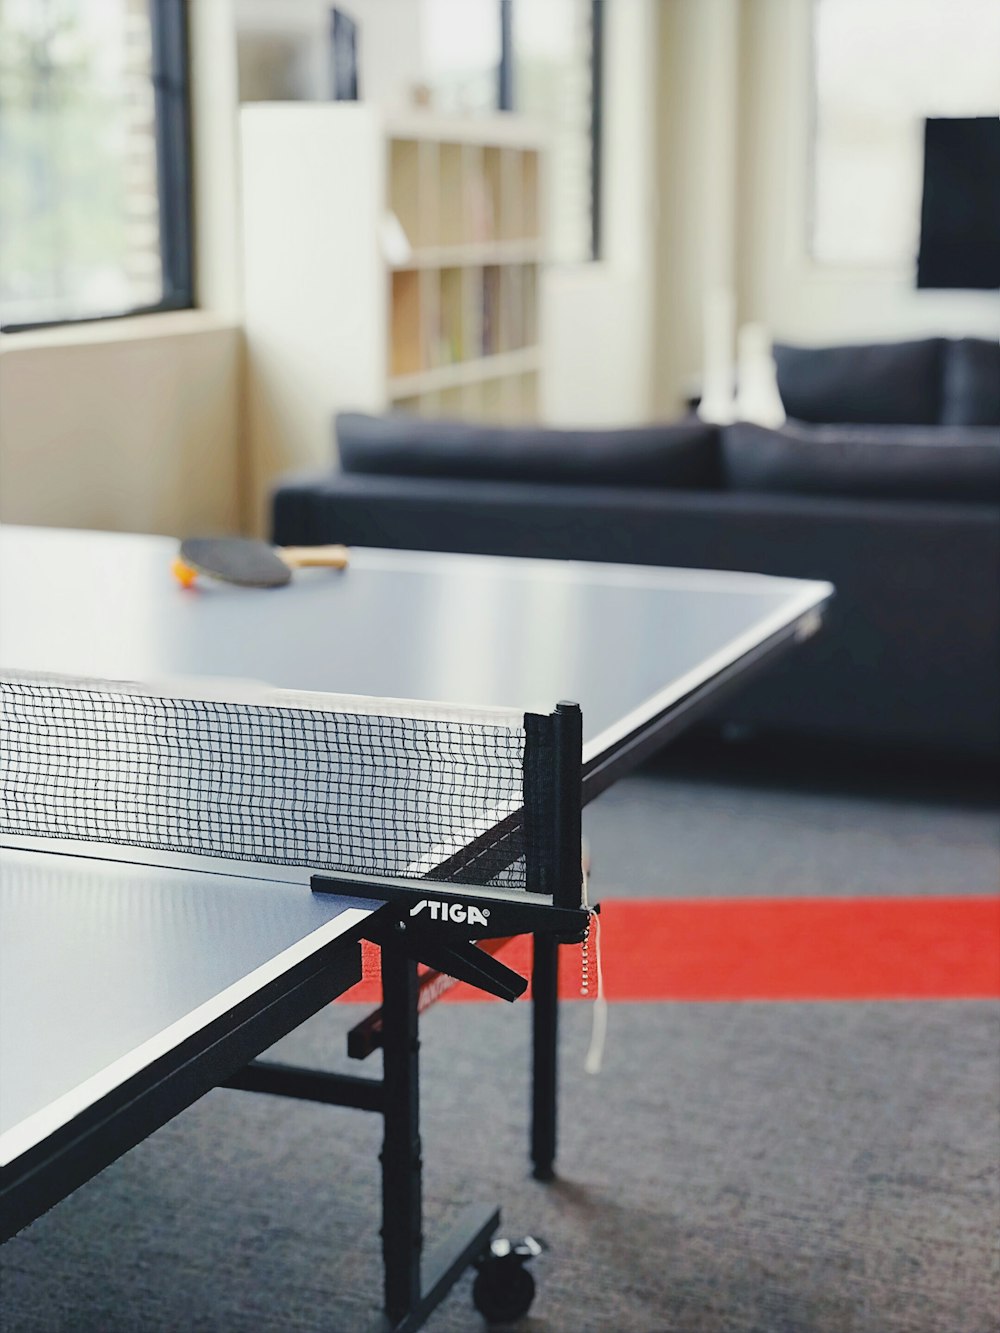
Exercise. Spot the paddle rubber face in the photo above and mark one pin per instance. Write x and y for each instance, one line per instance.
(243, 560)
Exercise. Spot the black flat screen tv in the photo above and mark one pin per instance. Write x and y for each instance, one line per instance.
(960, 213)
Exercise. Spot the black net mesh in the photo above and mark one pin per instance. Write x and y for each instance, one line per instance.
(328, 787)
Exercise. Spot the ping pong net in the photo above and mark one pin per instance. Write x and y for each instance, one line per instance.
(370, 794)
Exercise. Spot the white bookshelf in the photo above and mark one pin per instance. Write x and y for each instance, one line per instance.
(443, 321)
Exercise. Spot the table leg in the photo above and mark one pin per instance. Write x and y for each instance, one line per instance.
(545, 1021)
(402, 1238)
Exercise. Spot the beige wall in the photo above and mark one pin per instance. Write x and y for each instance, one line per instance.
(598, 317)
(734, 120)
(130, 425)
(134, 424)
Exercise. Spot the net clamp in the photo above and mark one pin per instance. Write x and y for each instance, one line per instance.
(438, 924)
(461, 911)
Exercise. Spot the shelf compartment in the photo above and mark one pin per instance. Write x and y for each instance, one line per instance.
(530, 221)
(406, 354)
(492, 186)
(451, 404)
(452, 334)
(517, 326)
(452, 210)
(465, 372)
(406, 195)
(490, 339)
(495, 400)
(511, 325)
(525, 398)
(531, 294)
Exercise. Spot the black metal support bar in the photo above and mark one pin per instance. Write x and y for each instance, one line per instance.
(312, 1085)
(468, 1240)
(414, 1287)
(545, 1035)
(402, 1238)
(568, 875)
(474, 966)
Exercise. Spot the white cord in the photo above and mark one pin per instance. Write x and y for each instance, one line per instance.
(599, 1016)
(599, 1019)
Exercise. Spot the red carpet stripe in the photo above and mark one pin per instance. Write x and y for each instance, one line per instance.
(782, 949)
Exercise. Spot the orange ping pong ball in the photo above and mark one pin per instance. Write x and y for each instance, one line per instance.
(183, 573)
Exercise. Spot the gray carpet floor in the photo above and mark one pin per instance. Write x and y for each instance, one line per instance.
(753, 1168)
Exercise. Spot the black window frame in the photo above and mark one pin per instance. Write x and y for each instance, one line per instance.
(506, 98)
(169, 75)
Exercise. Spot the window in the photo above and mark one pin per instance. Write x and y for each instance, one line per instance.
(94, 172)
(555, 53)
(462, 54)
(880, 68)
(544, 61)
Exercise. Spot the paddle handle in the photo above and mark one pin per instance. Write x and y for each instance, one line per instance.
(315, 557)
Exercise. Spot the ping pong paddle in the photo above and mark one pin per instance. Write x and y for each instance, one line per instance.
(249, 562)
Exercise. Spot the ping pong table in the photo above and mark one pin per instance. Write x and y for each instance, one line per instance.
(135, 979)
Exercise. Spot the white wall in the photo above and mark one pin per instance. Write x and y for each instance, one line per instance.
(780, 284)
(696, 154)
(598, 317)
(734, 117)
(128, 425)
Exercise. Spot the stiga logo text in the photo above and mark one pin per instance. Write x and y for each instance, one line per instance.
(460, 912)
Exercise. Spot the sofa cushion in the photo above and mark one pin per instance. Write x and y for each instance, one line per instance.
(893, 383)
(971, 388)
(683, 454)
(904, 462)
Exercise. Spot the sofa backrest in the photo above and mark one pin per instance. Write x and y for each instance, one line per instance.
(930, 381)
(680, 455)
(865, 462)
(877, 383)
(970, 394)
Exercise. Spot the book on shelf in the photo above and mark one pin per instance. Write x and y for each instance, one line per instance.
(491, 311)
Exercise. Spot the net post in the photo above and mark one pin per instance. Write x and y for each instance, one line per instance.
(567, 880)
(568, 773)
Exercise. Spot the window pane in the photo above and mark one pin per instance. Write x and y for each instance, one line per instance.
(462, 53)
(554, 84)
(79, 217)
(881, 67)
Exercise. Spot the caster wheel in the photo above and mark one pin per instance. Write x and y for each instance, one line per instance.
(503, 1289)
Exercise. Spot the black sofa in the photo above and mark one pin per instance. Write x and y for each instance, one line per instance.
(904, 519)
